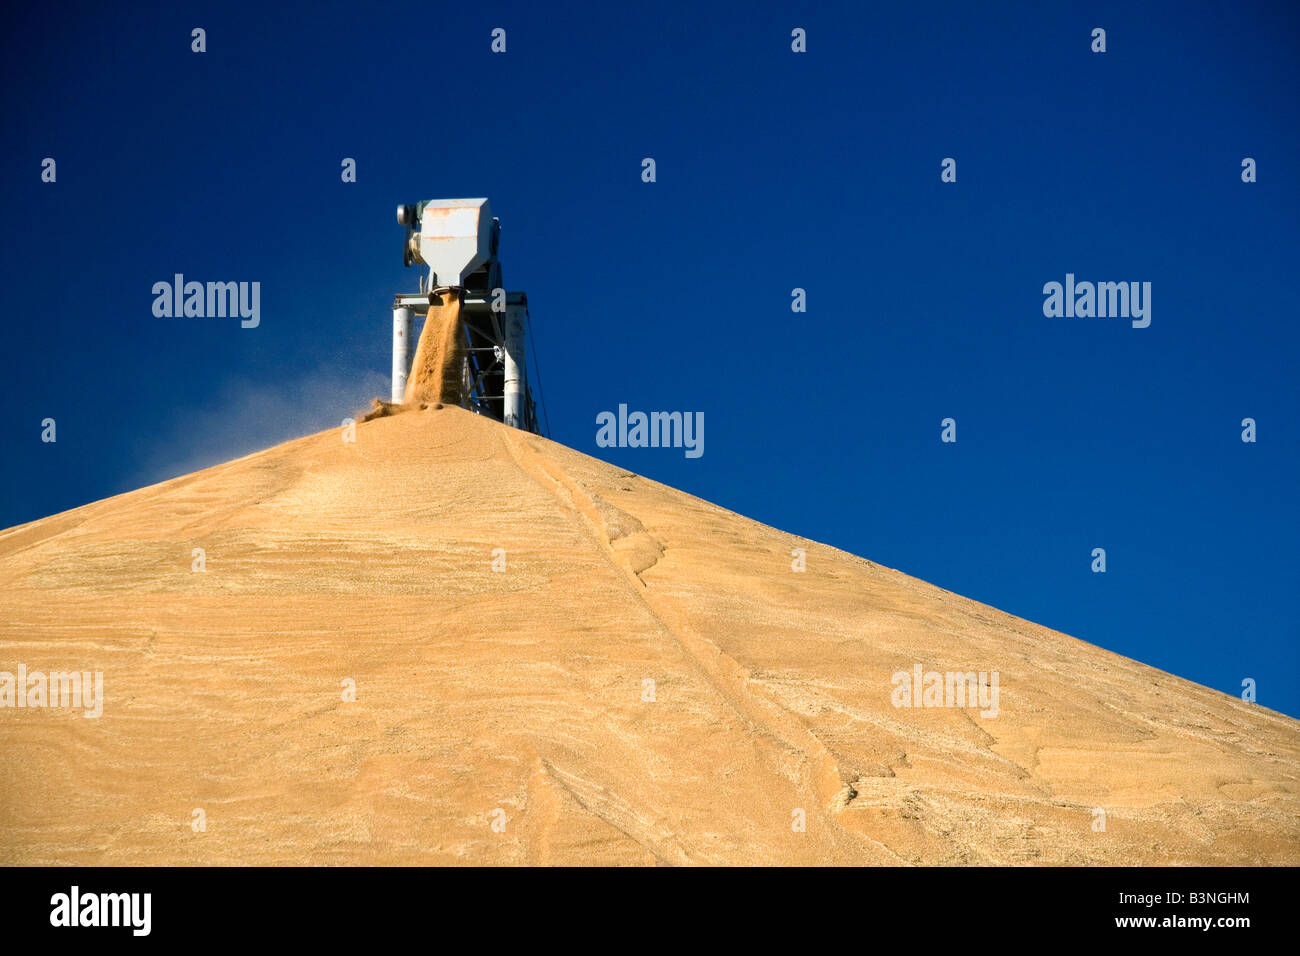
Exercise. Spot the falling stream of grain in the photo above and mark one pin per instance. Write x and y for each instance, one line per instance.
(436, 371)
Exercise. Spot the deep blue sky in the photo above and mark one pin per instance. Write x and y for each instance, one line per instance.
(775, 170)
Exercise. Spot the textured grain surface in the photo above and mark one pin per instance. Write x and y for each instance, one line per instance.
(522, 691)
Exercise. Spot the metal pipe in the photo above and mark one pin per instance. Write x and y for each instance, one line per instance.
(516, 369)
(402, 319)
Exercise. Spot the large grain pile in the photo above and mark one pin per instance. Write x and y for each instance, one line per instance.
(449, 641)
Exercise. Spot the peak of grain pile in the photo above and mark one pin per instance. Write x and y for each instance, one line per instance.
(643, 679)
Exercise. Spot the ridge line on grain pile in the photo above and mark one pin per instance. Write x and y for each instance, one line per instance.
(728, 676)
